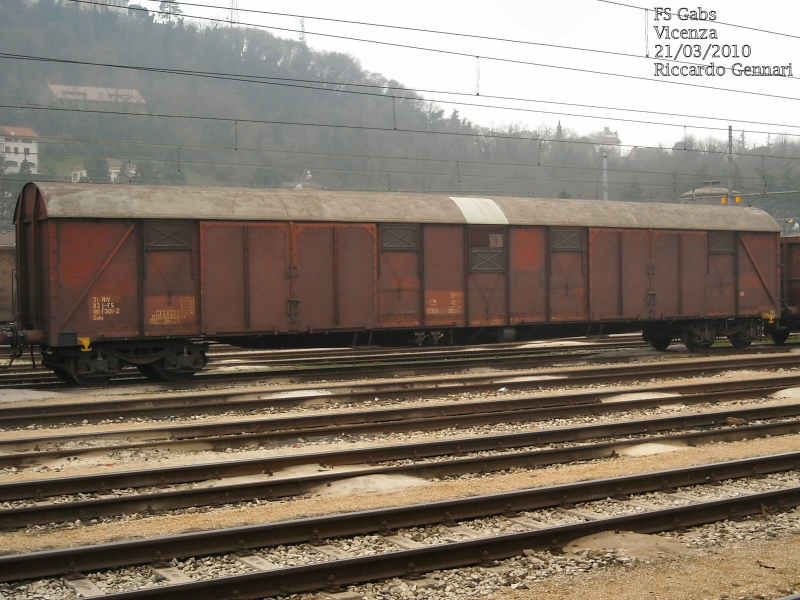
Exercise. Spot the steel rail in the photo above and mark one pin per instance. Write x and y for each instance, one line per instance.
(116, 554)
(274, 429)
(393, 354)
(465, 357)
(151, 503)
(157, 406)
(748, 358)
(571, 406)
(483, 551)
(544, 379)
(409, 367)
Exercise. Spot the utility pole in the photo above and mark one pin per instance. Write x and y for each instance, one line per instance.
(303, 31)
(234, 13)
(730, 162)
(605, 175)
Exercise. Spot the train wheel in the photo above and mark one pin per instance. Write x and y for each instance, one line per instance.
(64, 375)
(175, 376)
(91, 380)
(660, 343)
(150, 372)
(779, 336)
(739, 342)
(157, 373)
(692, 342)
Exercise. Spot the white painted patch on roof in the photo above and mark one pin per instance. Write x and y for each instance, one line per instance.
(481, 211)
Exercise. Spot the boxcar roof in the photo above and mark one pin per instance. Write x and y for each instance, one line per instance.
(146, 202)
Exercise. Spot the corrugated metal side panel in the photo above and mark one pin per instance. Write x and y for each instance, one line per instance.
(223, 277)
(487, 299)
(26, 254)
(399, 289)
(618, 273)
(443, 274)
(355, 249)
(721, 285)
(635, 263)
(269, 277)
(758, 290)
(694, 258)
(171, 282)
(665, 276)
(790, 257)
(527, 247)
(97, 292)
(8, 260)
(569, 282)
(313, 286)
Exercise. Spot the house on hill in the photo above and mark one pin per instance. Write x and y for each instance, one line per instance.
(80, 95)
(607, 141)
(19, 144)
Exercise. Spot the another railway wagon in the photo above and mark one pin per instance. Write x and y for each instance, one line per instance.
(8, 257)
(111, 276)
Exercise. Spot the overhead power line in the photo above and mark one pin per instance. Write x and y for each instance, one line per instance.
(315, 85)
(450, 162)
(494, 58)
(454, 33)
(388, 129)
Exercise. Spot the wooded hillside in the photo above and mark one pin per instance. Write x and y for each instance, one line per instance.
(250, 91)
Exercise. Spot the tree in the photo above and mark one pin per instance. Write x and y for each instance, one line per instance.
(126, 172)
(140, 12)
(169, 9)
(97, 170)
(25, 167)
(145, 173)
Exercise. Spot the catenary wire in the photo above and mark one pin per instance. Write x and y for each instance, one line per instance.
(415, 29)
(240, 149)
(280, 81)
(400, 28)
(493, 58)
(251, 121)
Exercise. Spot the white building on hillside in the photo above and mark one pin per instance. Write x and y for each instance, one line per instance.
(19, 144)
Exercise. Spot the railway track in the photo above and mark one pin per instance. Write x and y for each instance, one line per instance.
(431, 459)
(428, 461)
(300, 366)
(227, 363)
(254, 430)
(180, 488)
(159, 406)
(410, 541)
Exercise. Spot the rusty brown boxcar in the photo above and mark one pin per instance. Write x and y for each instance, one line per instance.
(111, 276)
(790, 291)
(8, 261)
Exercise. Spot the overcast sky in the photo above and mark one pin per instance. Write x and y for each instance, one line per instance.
(599, 27)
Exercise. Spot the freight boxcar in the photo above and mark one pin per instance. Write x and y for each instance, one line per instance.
(789, 320)
(8, 258)
(112, 276)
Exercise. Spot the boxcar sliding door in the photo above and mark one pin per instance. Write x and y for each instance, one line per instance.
(568, 275)
(443, 268)
(487, 304)
(399, 276)
(245, 277)
(333, 279)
